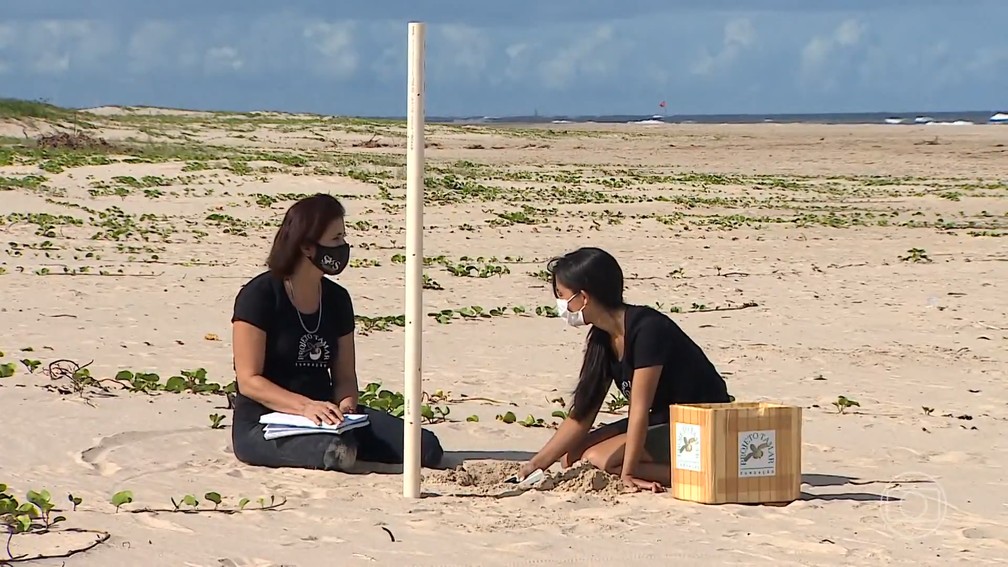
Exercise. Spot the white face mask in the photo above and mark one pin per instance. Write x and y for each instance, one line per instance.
(573, 319)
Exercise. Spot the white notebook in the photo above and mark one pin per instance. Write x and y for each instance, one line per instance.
(285, 425)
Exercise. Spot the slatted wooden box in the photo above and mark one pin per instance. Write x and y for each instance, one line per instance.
(738, 452)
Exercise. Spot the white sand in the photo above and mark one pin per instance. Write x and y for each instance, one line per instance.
(838, 314)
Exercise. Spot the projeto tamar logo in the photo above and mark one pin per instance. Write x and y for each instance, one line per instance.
(757, 453)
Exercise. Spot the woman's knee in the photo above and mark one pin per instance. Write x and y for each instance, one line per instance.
(431, 451)
(244, 448)
(242, 456)
(602, 459)
(574, 455)
(255, 457)
(340, 454)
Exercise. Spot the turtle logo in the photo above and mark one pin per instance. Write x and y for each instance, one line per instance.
(687, 444)
(755, 451)
(688, 447)
(313, 351)
(757, 454)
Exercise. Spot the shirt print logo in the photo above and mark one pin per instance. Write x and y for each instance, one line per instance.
(625, 388)
(313, 352)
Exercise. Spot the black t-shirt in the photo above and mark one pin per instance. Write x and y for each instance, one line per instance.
(687, 376)
(296, 359)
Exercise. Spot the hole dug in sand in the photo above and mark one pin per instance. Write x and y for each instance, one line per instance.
(476, 474)
(488, 478)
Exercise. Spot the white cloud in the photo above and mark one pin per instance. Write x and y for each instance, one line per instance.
(334, 44)
(739, 32)
(386, 51)
(866, 57)
(465, 53)
(815, 52)
(519, 58)
(52, 47)
(594, 55)
(820, 49)
(154, 46)
(390, 65)
(278, 43)
(51, 63)
(825, 57)
(849, 32)
(270, 43)
(53, 42)
(739, 35)
(224, 58)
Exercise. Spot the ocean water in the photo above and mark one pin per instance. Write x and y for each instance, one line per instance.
(937, 118)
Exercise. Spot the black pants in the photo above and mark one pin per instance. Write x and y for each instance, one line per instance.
(379, 442)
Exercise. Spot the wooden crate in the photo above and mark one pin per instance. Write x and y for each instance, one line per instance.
(739, 452)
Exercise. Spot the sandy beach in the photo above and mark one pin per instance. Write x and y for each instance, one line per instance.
(809, 261)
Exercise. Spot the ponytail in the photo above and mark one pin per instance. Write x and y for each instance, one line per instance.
(596, 375)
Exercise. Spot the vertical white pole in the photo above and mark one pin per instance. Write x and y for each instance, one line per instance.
(414, 258)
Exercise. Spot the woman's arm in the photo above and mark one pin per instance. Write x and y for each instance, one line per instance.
(645, 382)
(249, 344)
(344, 367)
(344, 372)
(566, 437)
(570, 433)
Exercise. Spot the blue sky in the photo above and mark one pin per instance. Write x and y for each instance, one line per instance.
(515, 57)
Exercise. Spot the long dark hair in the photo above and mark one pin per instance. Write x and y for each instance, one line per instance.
(596, 272)
(303, 224)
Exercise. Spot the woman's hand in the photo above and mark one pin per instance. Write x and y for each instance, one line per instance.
(322, 412)
(527, 468)
(635, 484)
(348, 405)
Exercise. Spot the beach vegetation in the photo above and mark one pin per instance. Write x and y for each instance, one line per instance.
(842, 403)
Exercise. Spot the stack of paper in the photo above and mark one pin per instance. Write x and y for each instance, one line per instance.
(285, 424)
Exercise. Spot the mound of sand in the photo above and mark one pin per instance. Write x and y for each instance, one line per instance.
(143, 111)
(583, 478)
(488, 477)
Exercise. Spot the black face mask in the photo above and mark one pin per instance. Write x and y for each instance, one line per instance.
(331, 259)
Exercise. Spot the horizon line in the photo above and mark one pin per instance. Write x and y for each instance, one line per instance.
(534, 115)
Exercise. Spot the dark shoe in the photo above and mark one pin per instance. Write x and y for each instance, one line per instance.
(431, 451)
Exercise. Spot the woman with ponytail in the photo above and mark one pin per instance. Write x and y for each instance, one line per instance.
(651, 360)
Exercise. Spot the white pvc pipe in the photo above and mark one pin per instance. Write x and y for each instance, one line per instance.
(414, 258)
